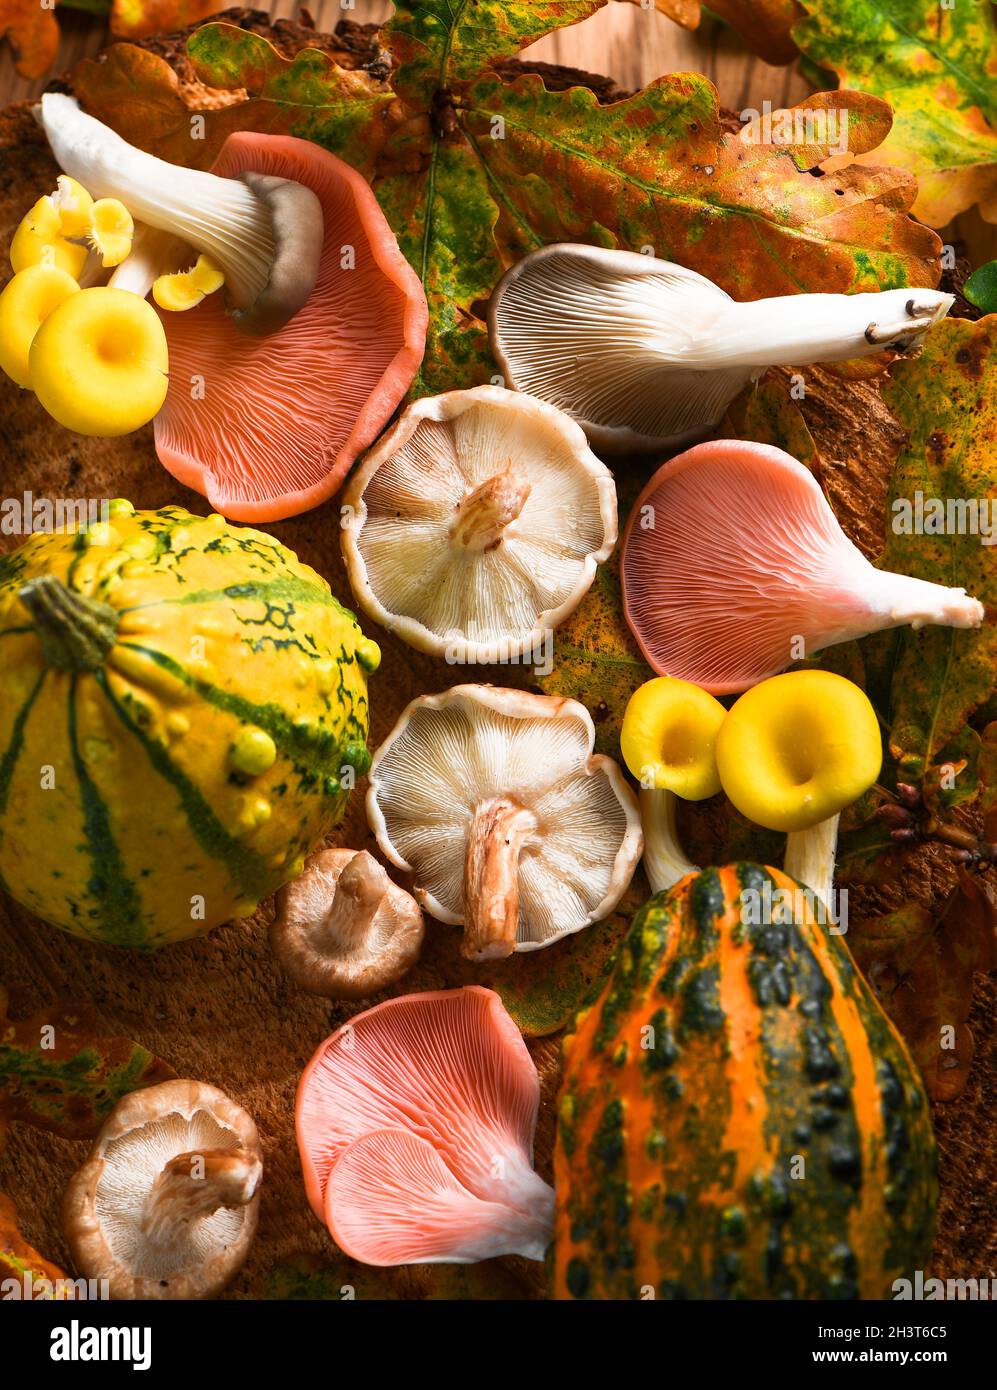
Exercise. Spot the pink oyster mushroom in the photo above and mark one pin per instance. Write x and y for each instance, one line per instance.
(734, 565)
(415, 1127)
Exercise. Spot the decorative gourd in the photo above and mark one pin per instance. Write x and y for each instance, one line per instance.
(738, 1117)
(183, 709)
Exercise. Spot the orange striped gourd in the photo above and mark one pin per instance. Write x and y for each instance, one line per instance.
(738, 1117)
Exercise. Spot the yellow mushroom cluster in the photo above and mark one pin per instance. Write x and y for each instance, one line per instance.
(95, 354)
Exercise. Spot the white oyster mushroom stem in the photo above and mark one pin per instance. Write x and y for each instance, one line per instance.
(153, 252)
(494, 801)
(486, 513)
(500, 827)
(360, 890)
(193, 1185)
(265, 234)
(664, 860)
(646, 354)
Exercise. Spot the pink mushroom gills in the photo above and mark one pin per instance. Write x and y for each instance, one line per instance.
(277, 383)
(415, 1126)
(646, 354)
(734, 565)
(283, 417)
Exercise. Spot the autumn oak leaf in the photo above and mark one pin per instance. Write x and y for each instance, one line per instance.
(473, 169)
(937, 66)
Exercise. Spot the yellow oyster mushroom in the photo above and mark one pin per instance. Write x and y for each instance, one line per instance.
(39, 241)
(186, 288)
(111, 231)
(25, 304)
(668, 741)
(99, 362)
(792, 753)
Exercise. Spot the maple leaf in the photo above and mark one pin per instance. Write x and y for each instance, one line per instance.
(937, 66)
(57, 1073)
(922, 971)
(472, 169)
(20, 1261)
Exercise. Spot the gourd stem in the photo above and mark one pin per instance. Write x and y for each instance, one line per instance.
(810, 855)
(499, 830)
(360, 891)
(193, 1185)
(664, 861)
(76, 632)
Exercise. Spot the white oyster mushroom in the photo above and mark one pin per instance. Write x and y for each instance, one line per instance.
(477, 523)
(495, 802)
(647, 354)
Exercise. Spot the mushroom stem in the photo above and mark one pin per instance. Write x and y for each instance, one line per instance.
(264, 233)
(499, 829)
(810, 856)
(484, 514)
(193, 1185)
(664, 861)
(359, 892)
(153, 251)
(794, 330)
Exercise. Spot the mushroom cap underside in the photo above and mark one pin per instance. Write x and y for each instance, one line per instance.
(452, 753)
(449, 1066)
(104, 1204)
(268, 427)
(483, 460)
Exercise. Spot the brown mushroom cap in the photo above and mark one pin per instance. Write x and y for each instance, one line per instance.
(167, 1203)
(343, 929)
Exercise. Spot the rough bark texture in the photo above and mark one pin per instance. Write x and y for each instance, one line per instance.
(220, 1009)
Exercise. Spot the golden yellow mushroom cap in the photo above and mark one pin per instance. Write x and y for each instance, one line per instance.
(798, 748)
(99, 362)
(25, 304)
(111, 230)
(669, 736)
(38, 241)
(186, 288)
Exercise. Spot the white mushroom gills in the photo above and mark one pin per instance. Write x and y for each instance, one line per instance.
(192, 1186)
(224, 218)
(645, 353)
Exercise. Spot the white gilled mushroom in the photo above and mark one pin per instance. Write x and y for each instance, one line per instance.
(476, 524)
(265, 234)
(646, 354)
(343, 929)
(166, 1206)
(494, 800)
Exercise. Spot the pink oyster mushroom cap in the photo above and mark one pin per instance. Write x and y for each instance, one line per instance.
(732, 555)
(283, 416)
(415, 1126)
